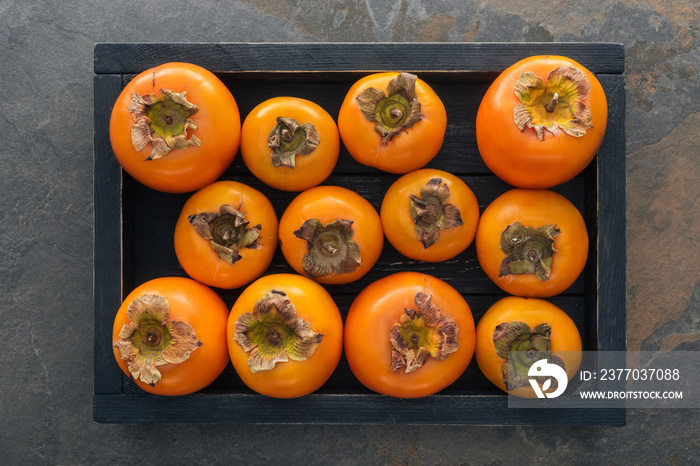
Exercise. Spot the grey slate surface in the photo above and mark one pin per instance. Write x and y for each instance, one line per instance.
(47, 216)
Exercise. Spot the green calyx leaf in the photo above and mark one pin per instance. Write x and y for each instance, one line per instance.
(289, 138)
(421, 334)
(227, 231)
(528, 250)
(151, 339)
(431, 212)
(555, 104)
(272, 333)
(521, 347)
(394, 111)
(163, 121)
(331, 250)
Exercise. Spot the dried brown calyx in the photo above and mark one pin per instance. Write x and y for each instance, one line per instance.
(151, 339)
(553, 104)
(227, 230)
(525, 347)
(331, 250)
(394, 111)
(422, 333)
(273, 333)
(528, 250)
(289, 138)
(162, 120)
(431, 212)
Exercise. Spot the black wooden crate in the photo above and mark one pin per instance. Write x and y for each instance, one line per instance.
(134, 225)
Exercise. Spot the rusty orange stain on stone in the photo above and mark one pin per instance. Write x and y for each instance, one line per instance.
(683, 14)
(474, 27)
(675, 340)
(437, 28)
(663, 199)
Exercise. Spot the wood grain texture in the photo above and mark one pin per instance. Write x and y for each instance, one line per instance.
(107, 285)
(612, 249)
(134, 225)
(366, 409)
(454, 56)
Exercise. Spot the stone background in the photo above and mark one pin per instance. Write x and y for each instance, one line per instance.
(46, 104)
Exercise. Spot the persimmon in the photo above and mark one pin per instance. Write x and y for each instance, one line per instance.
(331, 234)
(530, 330)
(541, 121)
(532, 242)
(392, 121)
(409, 335)
(290, 143)
(226, 234)
(285, 335)
(175, 127)
(169, 336)
(429, 215)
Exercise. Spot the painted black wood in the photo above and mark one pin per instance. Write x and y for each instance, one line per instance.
(453, 56)
(134, 225)
(107, 235)
(362, 408)
(612, 224)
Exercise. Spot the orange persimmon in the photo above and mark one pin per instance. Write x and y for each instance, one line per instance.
(290, 143)
(331, 234)
(532, 242)
(226, 234)
(175, 127)
(541, 121)
(392, 121)
(516, 332)
(429, 215)
(409, 335)
(170, 336)
(285, 335)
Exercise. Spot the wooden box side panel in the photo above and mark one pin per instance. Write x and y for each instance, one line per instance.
(603, 58)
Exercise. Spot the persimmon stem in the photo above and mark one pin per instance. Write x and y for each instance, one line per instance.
(153, 338)
(275, 338)
(555, 100)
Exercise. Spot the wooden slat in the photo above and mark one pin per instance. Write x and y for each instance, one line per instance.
(612, 225)
(339, 409)
(107, 286)
(451, 56)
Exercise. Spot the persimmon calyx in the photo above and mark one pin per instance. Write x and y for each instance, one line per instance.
(554, 105)
(394, 111)
(431, 212)
(163, 121)
(151, 339)
(521, 347)
(227, 231)
(422, 333)
(289, 138)
(273, 333)
(528, 250)
(331, 250)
